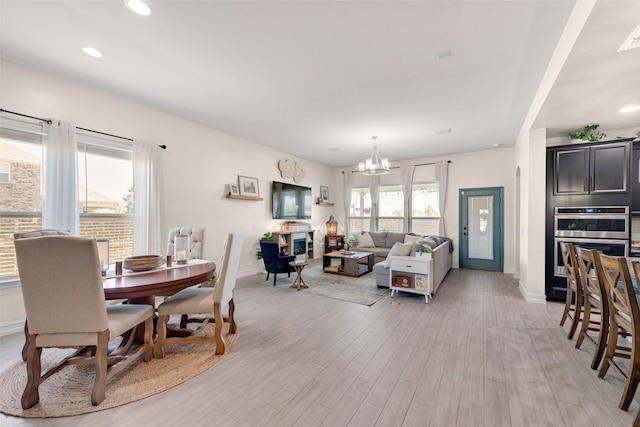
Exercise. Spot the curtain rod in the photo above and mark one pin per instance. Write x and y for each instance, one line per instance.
(398, 167)
(48, 121)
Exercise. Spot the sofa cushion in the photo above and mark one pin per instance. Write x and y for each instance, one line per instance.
(379, 239)
(365, 240)
(393, 238)
(399, 249)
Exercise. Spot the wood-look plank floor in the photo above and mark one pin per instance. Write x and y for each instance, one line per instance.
(477, 355)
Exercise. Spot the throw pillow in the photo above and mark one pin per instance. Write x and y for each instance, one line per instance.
(400, 249)
(364, 241)
(411, 238)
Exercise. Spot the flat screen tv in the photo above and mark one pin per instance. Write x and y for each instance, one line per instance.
(290, 201)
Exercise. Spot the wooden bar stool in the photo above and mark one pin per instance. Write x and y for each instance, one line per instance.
(573, 303)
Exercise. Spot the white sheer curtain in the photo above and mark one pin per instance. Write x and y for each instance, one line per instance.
(374, 190)
(407, 180)
(146, 185)
(348, 187)
(442, 171)
(60, 209)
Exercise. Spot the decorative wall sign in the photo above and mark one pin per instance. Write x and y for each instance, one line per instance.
(291, 169)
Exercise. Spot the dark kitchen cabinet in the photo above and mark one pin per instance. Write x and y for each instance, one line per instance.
(592, 169)
(635, 179)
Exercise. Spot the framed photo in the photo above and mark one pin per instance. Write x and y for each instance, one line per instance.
(324, 194)
(233, 189)
(248, 186)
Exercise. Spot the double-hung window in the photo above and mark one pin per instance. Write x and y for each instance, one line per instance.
(105, 190)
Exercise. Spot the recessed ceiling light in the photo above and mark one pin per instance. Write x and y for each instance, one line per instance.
(92, 51)
(442, 131)
(444, 54)
(138, 6)
(629, 108)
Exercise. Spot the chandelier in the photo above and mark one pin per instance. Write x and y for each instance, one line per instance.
(375, 165)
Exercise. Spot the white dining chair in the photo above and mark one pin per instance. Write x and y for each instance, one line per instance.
(206, 303)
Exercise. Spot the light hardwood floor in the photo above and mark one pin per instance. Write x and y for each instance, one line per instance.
(477, 355)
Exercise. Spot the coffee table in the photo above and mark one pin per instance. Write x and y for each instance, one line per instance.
(353, 264)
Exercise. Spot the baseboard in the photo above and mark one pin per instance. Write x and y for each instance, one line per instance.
(17, 326)
(533, 298)
(511, 271)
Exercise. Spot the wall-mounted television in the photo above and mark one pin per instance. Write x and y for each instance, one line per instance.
(290, 201)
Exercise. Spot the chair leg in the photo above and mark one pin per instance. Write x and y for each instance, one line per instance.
(612, 342)
(98, 392)
(274, 278)
(585, 324)
(148, 339)
(636, 422)
(601, 346)
(567, 305)
(161, 329)
(30, 395)
(232, 321)
(577, 308)
(267, 276)
(630, 387)
(217, 316)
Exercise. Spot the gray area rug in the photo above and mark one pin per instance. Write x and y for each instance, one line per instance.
(359, 290)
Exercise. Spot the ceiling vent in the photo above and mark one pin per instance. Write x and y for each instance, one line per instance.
(632, 41)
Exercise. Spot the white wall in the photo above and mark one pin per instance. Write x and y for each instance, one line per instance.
(195, 167)
(491, 168)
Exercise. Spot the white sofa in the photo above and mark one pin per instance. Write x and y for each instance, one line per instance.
(442, 261)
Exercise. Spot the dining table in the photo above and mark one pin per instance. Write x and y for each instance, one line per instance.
(142, 287)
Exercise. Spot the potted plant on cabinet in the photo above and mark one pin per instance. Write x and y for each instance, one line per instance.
(586, 134)
(425, 252)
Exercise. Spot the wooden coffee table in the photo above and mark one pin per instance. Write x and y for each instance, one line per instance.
(353, 264)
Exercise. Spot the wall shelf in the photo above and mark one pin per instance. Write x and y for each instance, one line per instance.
(324, 203)
(231, 196)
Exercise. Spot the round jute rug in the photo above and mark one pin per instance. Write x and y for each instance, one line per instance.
(68, 392)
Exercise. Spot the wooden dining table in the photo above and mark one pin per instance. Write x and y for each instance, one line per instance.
(143, 287)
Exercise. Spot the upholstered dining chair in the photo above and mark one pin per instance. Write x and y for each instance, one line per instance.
(65, 306)
(197, 240)
(574, 301)
(595, 303)
(36, 233)
(273, 262)
(207, 302)
(624, 317)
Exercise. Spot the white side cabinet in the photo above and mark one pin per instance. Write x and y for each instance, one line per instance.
(411, 274)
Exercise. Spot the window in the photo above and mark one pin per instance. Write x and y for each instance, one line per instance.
(105, 176)
(391, 208)
(360, 210)
(105, 193)
(5, 173)
(424, 218)
(425, 213)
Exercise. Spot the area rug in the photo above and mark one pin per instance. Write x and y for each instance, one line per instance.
(68, 392)
(359, 290)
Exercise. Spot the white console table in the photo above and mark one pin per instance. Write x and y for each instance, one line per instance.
(416, 269)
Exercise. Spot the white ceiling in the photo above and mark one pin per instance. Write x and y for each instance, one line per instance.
(317, 79)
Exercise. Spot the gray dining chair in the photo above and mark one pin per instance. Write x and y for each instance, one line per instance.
(206, 303)
(65, 306)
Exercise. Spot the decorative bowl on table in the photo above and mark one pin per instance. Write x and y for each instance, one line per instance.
(143, 262)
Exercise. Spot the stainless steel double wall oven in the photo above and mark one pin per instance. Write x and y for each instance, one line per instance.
(604, 228)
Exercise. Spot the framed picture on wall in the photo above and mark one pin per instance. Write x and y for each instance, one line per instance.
(324, 194)
(233, 189)
(248, 186)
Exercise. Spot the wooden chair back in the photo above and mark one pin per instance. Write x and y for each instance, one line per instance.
(624, 317)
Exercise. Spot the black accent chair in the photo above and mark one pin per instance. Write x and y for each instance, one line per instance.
(273, 262)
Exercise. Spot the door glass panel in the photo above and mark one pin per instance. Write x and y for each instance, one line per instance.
(480, 214)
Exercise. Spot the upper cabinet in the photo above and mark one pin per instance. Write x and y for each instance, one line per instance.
(592, 169)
